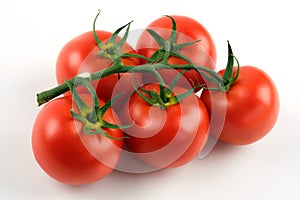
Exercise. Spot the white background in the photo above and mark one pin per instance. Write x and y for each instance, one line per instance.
(262, 33)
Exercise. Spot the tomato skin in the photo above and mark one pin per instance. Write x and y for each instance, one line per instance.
(252, 106)
(166, 138)
(202, 53)
(80, 55)
(59, 149)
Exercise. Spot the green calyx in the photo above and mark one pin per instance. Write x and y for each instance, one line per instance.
(112, 49)
(165, 97)
(168, 47)
(92, 117)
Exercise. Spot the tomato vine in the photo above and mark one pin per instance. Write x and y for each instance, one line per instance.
(111, 49)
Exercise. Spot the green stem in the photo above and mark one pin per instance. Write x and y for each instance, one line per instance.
(45, 96)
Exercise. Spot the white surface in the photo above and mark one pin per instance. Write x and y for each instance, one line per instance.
(262, 33)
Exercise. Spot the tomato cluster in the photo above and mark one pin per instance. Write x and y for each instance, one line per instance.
(158, 102)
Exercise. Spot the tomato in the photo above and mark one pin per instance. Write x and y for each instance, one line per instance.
(166, 137)
(251, 105)
(59, 145)
(202, 53)
(80, 55)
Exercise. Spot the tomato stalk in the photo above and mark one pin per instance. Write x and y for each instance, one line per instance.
(47, 95)
(112, 50)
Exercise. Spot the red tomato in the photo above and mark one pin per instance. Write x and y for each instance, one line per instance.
(251, 106)
(202, 53)
(59, 145)
(169, 137)
(80, 55)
